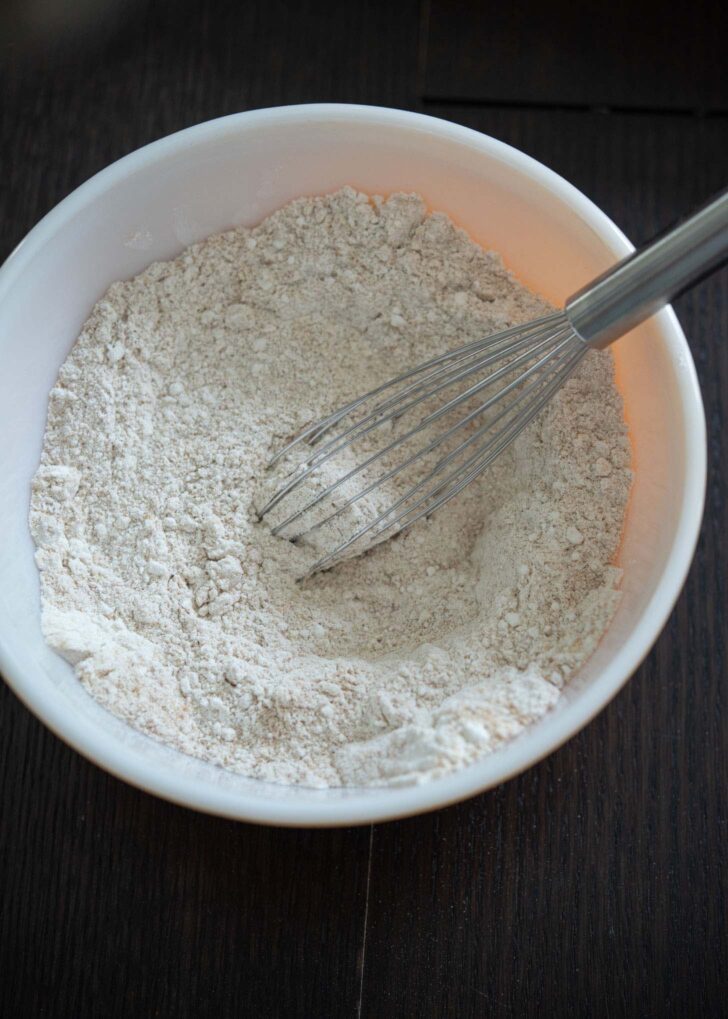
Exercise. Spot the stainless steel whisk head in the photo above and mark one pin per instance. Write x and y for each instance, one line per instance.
(419, 439)
(482, 395)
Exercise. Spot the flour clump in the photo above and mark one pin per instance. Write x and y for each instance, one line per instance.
(181, 613)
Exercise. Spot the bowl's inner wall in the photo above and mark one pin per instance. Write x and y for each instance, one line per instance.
(236, 174)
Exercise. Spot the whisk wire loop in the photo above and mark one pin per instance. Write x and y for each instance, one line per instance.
(502, 382)
(439, 466)
(422, 425)
(532, 345)
(454, 483)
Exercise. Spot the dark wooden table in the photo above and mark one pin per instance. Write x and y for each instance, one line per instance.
(594, 884)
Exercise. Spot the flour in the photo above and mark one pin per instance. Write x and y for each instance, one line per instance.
(181, 612)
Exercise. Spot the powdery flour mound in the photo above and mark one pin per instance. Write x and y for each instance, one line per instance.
(181, 613)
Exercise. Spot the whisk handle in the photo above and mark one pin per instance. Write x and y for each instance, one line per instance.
(643, 282)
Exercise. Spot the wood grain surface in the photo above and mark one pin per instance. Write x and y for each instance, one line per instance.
(647, 56)
(592, 885)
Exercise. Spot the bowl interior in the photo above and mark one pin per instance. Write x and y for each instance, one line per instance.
(235, 171)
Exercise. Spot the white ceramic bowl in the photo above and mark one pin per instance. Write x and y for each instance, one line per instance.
(236, 170)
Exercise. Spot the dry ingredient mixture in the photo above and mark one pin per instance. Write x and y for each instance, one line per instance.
(181, 613)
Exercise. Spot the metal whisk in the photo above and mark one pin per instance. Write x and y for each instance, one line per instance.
(431, 431)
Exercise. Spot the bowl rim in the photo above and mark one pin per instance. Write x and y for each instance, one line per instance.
(367, 805)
